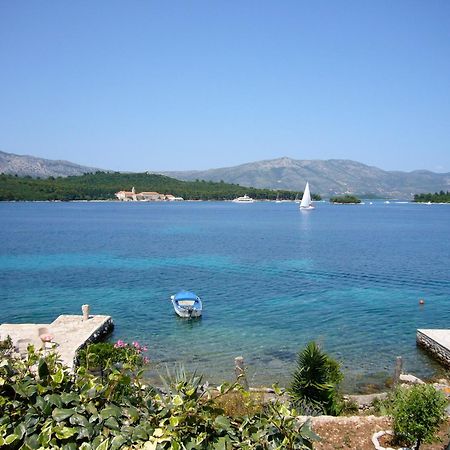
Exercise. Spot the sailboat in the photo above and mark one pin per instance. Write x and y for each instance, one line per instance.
(306, 202)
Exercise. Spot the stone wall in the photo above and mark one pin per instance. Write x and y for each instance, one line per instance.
(437, 350)
(102, 332)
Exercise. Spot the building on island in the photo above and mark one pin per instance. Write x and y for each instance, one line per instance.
(132, 196)
(150, 196)
(126, 196)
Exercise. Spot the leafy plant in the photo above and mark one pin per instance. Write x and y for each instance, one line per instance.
(314, 383)
(6, 347)
(382, 406)
(44, 405)
(104, 355)
(418, 412)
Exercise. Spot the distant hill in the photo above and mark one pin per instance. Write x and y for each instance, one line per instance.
(103, 186)
(326, 177)
(24, 165)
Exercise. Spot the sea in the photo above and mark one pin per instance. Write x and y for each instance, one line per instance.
(271, 277)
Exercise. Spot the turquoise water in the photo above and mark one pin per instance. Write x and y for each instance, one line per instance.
(271, 279)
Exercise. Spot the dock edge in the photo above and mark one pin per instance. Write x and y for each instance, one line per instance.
(437, 350)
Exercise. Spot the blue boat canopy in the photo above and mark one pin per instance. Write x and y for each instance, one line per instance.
(186, 295)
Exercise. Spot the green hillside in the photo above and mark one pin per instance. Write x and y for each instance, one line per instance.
(437, 197)
(103, 186)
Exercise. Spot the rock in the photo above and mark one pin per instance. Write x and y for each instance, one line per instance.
(365, 401)
(410, 379)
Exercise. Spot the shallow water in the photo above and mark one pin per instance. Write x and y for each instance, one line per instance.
(271, 279)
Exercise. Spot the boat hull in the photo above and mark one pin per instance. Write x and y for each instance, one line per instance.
(187, 311)
(244, 199)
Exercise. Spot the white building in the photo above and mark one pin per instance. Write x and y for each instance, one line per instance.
(127, 196)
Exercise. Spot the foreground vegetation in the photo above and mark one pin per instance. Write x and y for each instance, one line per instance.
(437, 197)
(315, 382)
(106, 404)
(103, 186)
(43, 405)
(418, 413)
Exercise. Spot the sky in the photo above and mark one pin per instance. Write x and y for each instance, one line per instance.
(142, 85)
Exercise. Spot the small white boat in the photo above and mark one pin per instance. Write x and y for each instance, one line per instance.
(306, 202)
(244, 199)
(187, 304)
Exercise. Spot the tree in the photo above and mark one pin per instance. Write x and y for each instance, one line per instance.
(418, 412)
(345, 199)
(315, 380)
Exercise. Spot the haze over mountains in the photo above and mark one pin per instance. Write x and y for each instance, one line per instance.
(326, 177)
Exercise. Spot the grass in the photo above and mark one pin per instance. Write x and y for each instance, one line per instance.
(239, 403)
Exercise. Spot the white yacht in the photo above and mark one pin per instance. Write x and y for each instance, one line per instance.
(244, 199)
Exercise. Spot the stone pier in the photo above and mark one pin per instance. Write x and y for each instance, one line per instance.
(65, 335)
(437, 342)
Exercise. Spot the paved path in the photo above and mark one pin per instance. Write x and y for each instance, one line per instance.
(69, 334)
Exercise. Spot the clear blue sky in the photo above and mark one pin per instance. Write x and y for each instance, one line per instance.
(175, 85)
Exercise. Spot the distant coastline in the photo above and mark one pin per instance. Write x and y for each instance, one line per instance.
(105, 186)
(150, 187)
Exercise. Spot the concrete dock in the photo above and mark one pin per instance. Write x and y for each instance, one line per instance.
(66, 334)
(437, 342)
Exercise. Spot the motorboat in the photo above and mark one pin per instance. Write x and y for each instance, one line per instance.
(187, 304)
(244, 199)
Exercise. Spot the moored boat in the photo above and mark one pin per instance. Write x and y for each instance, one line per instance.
(244, 199)
(187, 304)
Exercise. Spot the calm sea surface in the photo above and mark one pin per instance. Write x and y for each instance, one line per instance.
(271, 279)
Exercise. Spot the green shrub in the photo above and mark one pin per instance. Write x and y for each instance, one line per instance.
(105, 355)
(314, 383)
(6, 347)
(44, 405)
(382, 406)
(418, 412)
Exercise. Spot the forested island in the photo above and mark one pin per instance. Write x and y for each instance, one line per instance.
(103, 186)
(345, 199)
(437, 197)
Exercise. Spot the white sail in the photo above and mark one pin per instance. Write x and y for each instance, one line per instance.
(306, 199)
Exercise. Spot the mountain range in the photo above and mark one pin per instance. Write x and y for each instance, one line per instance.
(24, 165)
(326, 177)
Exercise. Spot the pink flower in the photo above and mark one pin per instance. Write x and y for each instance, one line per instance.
(146, 360)
(120, 344)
